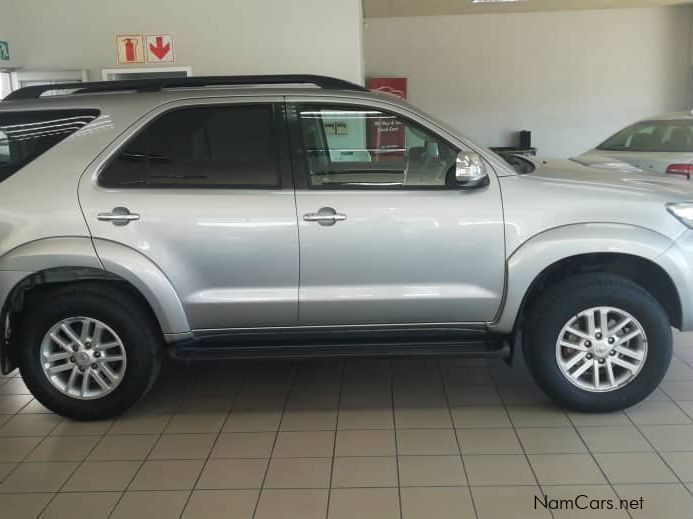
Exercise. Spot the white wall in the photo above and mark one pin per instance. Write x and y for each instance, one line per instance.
(213, 36)
(9, 31)
(573, 78)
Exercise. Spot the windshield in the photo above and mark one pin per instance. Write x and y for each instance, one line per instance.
(664, 136)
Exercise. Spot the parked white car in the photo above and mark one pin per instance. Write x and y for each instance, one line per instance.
(662, 144)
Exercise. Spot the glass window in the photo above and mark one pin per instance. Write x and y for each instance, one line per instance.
(25, 136)
(665, 136)
(224, 146)
(363, 147)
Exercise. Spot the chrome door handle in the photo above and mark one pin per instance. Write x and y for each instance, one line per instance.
(118, 216)
(325, 216)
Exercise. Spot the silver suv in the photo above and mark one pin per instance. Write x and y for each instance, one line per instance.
(301, 216)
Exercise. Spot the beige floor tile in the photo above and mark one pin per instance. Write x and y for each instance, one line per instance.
(441, 503)
(658, 501)
(299, 473)
(167, 475)
(678, 390)
(634, 467)
(587, 495)
(365, 443)
(461, 395)
(480, 417)
(94, 505)
(686, 406)
(309, 420)
(617, 438)
(183, 446)
(364, 472)
(681, 463)
(669, 437)
(657, 413)
(538, 416)
(23, 506)
(508, 503)
(426, 442)
(551, 440)
(498, 470)
(244, 445)
(566, 469)
(229, 504)
(11, 404)
(421, 471)
(140, 423)
(599, 419)
(488, 441)
(377, 418)
(252, 420)
(148, 505)
(232, 474)
(14, 386)
(102, 476)
(30, 425)
(34, 407)
(468, 376)
(125, 447)
(304, 444)
(17, 448)
(291, 504)
(72, 428)
(523, 394)
(64, 448)
(196, 422)
(364, 503)
(38, 477)
(6, 468)
(423, 418)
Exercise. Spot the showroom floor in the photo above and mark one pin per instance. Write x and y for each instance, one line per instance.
(355, 439)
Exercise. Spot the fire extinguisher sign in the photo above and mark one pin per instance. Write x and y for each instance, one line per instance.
(130, 48)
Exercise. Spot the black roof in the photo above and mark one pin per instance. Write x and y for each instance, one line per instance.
(154, 85)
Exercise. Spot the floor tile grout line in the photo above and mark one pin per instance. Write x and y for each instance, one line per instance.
(334, 443)
(294, 375)
(659, 454)
(216, 440)
(596, 462)
(459, 444)
(394, 426)
(158, 437)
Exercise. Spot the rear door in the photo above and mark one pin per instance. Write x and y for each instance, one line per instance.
(204, 191)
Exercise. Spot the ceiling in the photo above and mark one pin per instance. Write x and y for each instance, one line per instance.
(385, 8)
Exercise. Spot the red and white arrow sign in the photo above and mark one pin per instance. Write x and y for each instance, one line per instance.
(159, 48)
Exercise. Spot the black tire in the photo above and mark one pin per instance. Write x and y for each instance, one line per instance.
(125, 314)
(554, 308)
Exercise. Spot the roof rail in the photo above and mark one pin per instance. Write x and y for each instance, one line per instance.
(156, 84)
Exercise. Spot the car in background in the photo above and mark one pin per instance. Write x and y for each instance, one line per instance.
(662, 144)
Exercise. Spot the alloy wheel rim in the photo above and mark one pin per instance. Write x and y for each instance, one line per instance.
(601, 349)
(83, 358)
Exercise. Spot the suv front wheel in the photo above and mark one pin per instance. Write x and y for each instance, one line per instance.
(597, 342)
(89, 352)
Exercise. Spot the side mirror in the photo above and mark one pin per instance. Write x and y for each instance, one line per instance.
(470, 170)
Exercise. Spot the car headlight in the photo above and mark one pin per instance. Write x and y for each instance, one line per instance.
(683, 211)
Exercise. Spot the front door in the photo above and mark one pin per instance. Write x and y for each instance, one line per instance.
(385, 235)
(209, 184)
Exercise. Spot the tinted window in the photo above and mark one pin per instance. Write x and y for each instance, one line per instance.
(226, 146)
(667, 136)
(25, 136)
(363, 147)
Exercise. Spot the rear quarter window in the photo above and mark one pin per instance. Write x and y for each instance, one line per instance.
(26, 135)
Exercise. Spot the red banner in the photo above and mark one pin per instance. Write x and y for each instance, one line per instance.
(387, 138)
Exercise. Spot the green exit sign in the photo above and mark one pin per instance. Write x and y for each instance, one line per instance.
(4, 51)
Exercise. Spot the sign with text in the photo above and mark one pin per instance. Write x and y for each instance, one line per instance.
(130, 49)
(4, 51)
(159, 48)
(387, 136)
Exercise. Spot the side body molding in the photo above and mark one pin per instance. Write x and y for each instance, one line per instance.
(529, 260)
(146, 277)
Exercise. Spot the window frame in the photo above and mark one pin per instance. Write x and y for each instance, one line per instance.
(279, 128)
(301, 167)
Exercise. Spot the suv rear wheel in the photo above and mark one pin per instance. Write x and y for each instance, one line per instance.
(597, 342)
(89, 351)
